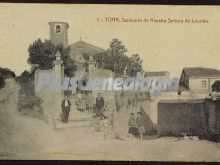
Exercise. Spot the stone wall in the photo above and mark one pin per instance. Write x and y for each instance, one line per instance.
(213, 116)
(194, 117)
(182, 116)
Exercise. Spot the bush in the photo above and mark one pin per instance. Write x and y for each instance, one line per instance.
(216, 86)
(6, 73)
(28, 102)
(24, 77)
(2, 82)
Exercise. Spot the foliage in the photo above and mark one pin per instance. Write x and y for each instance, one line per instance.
(86, 56)
(2, 82)
(69, 64)
(6, 73)
(216, 86)
(28, 103)
(116, 48)
(115, 59)
(42, 54)
(86, 65)
(24, 77)
(135, 64)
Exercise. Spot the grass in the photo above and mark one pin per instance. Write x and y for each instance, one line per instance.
(28, 103)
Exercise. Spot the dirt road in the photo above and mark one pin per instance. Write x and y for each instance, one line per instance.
(23, 137)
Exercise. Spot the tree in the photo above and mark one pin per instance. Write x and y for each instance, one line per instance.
(69, 64)
(136, 64)
(24, 77)
(86, 65)
(86, 56)
(116, 60)
(216, 86)
(42, 54)
(116, 48)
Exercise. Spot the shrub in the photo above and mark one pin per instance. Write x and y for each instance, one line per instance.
(28, 102)
(6, 73)
(2, 82)
(24, 77)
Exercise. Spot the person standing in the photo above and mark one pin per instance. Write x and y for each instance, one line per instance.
(132, 125)
(82, 102)
(117, 103)
(140, 124)
(65, 109)
(90, 101)
(100, 103)
(129, 103)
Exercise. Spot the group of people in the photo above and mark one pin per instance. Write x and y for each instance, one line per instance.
(135, 123)
(99, 112)
(85, 102)
(123, 101)
(136, 126)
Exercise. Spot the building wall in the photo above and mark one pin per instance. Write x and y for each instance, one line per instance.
(195, 85)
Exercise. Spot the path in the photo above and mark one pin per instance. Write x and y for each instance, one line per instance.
(23, 137)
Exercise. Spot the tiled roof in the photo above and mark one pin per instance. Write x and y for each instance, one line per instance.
(81, 47)
(201, 72)
(160, 73)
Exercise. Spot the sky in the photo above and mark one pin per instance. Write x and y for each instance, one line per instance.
(162, 46)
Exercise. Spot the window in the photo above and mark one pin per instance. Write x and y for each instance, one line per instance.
(203, 84)
(58, 28)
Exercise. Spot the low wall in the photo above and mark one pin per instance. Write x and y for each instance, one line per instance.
(182, 116)
(213, 116)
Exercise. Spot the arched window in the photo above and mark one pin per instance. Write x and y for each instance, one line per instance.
(58, 28)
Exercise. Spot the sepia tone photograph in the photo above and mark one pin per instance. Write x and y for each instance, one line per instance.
(109, 82)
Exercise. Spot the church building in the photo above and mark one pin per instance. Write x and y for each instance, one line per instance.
(78, 50)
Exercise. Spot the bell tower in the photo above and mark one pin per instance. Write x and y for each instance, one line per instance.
(58, 33)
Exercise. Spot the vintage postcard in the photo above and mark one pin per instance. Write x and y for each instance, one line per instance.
(109, 82)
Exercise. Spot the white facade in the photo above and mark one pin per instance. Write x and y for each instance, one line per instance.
(202, 85)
